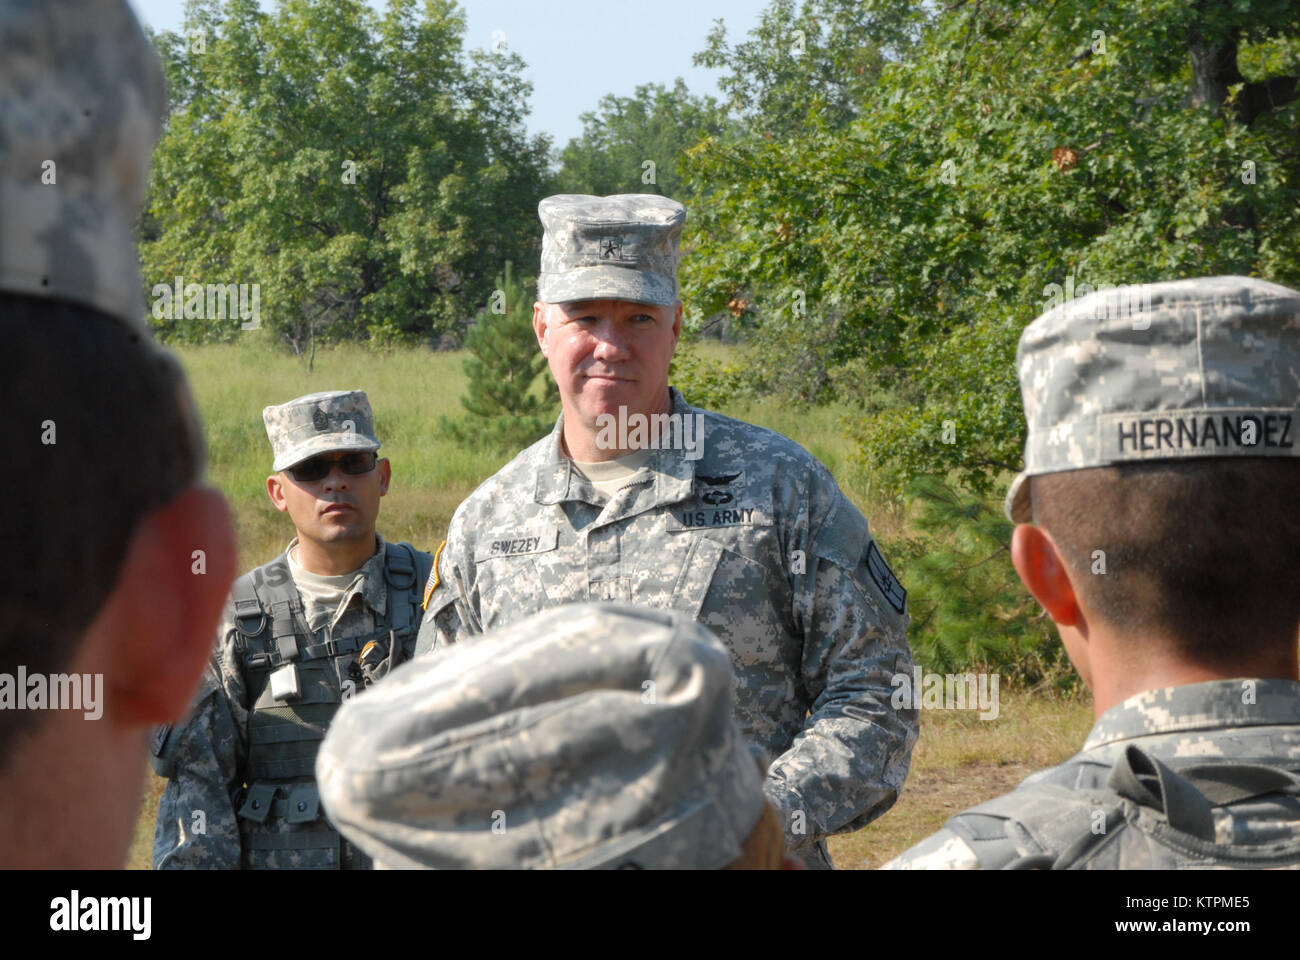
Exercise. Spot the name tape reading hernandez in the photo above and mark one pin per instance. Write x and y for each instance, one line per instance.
(1260, 432)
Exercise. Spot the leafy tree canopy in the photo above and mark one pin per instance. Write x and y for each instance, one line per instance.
(359, 167)
(634, 144)
(1013, 154)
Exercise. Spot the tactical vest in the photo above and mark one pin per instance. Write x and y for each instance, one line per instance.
(1147, 816)
(295, 681)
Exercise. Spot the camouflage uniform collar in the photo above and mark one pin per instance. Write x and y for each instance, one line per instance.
(1214, 705)
(374, 587)
(558, 480)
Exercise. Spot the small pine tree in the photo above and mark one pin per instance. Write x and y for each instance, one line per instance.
(504, 408)
(969, 609)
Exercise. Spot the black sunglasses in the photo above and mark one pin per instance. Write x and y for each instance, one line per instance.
(318, 468)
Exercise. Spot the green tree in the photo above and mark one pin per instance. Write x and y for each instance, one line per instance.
(967, 605)
(634, 144)
(891, 242)
(358, 166)
(1014, 153)
(823, 55)
(505, 408)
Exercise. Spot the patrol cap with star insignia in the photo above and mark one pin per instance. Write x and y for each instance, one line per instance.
(621, 247)
(588, 736)
(1208, 367)
(335, 420)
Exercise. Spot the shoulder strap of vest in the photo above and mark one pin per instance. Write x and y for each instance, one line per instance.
(250, 618)
(403, 567)
(267, 594)
(1186, 797)
(1059, 825)
(1029, 827)
(1149, 783)
(1226, 782)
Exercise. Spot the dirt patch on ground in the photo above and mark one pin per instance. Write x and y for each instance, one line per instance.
(965, 787)
(929, 798)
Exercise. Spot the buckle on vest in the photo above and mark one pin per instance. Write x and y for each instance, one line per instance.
(241, 621)
(248, 609)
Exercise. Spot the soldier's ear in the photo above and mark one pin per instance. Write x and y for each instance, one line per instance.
(155, 632)
(385, 476)
(539, 324)
(275, 490)
(1043, 571)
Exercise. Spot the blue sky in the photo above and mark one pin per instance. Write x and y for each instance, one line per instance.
(577, 50)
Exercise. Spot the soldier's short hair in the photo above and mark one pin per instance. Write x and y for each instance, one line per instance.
(1204, 551)
(105, 434)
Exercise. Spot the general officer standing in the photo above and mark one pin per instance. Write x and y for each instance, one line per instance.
(1161, 480)
(336, 611)
(636, 496)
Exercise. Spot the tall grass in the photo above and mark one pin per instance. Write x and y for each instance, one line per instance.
(409, 389)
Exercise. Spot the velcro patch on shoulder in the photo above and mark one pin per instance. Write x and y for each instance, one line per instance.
(432, 583)
(884, 578)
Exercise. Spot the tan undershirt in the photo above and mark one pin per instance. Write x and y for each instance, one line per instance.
(610, 476)
(321, 595)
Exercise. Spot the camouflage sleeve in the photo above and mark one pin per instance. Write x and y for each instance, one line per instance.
(847, 766)
(939, 851)
(447, 614)
(196, 826)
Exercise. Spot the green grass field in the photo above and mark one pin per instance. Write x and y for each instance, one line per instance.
(409, 390)
(959, 760)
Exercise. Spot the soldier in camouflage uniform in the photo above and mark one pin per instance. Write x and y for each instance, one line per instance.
(334, 612)
(1161, 481)
(731, 524)
(597, 736)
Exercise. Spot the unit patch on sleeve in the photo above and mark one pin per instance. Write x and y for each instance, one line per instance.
(884, 578)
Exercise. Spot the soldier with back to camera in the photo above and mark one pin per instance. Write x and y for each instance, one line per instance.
(1158, 529)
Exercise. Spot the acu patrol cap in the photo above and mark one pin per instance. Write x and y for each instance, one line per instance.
(588, 736)
(622, 247)
(1208, 367)
(319, 423)
(81, 106)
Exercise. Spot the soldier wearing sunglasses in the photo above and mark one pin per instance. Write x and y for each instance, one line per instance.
(301, 634)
